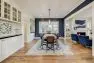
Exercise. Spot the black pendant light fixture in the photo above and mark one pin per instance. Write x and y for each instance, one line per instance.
(49, 16)
(49, 22)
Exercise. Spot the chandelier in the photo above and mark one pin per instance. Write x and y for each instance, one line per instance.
(49, 16)
(49, 22)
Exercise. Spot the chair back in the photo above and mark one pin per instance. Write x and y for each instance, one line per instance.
(50, 39)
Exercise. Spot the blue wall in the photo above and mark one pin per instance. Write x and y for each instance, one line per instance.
(36, 27)
(61, 25)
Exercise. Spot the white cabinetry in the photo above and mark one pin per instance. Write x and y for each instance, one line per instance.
(0, 50)
(32, 36)
(10, 46)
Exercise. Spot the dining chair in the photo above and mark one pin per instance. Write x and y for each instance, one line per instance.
(50, 41)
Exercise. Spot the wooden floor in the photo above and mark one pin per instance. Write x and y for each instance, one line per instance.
(82, 55)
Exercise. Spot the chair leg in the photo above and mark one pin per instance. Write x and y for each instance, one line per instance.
(41, 46)
(53, 48)
(47, 47)
(57, 45)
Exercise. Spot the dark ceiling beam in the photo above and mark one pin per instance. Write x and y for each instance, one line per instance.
(85, 3)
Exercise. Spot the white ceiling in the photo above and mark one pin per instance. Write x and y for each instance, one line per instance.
(39, 8)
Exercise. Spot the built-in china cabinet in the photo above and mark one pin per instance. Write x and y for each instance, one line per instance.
(11, 37)
(9, 12)
(14, 14)
(19, 16)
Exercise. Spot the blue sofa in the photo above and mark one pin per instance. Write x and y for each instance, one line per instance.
(85, 41)
(74, 37)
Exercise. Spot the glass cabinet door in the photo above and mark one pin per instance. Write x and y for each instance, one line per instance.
(14, 14)
(19, 16)
(6, 10)
(0, 8)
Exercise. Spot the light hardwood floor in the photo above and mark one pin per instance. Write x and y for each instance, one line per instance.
(82, 55)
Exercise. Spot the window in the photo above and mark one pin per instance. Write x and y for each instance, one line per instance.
(6, 10)
(0, 8)
(14, 14)
(44, 27)
(32, 25)
(19, 16)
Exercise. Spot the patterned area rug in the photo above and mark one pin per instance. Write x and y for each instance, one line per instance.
(63, 49)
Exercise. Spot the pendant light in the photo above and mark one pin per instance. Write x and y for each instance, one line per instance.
(49, 16)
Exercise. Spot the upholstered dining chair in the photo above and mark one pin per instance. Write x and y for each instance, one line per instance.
(43, 42)
(51, 41)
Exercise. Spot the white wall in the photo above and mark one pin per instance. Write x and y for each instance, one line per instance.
(84, 15)
(81, 29)
(88, 6)
(93, 28)
(28, 36)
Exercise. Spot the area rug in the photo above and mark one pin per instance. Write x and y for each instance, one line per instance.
(63, 49)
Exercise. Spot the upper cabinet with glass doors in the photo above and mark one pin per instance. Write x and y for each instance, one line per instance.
(19, 16)
(14, 14)
(0, 8)
(9, 12)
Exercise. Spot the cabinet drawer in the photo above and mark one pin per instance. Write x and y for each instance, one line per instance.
(9, 46)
